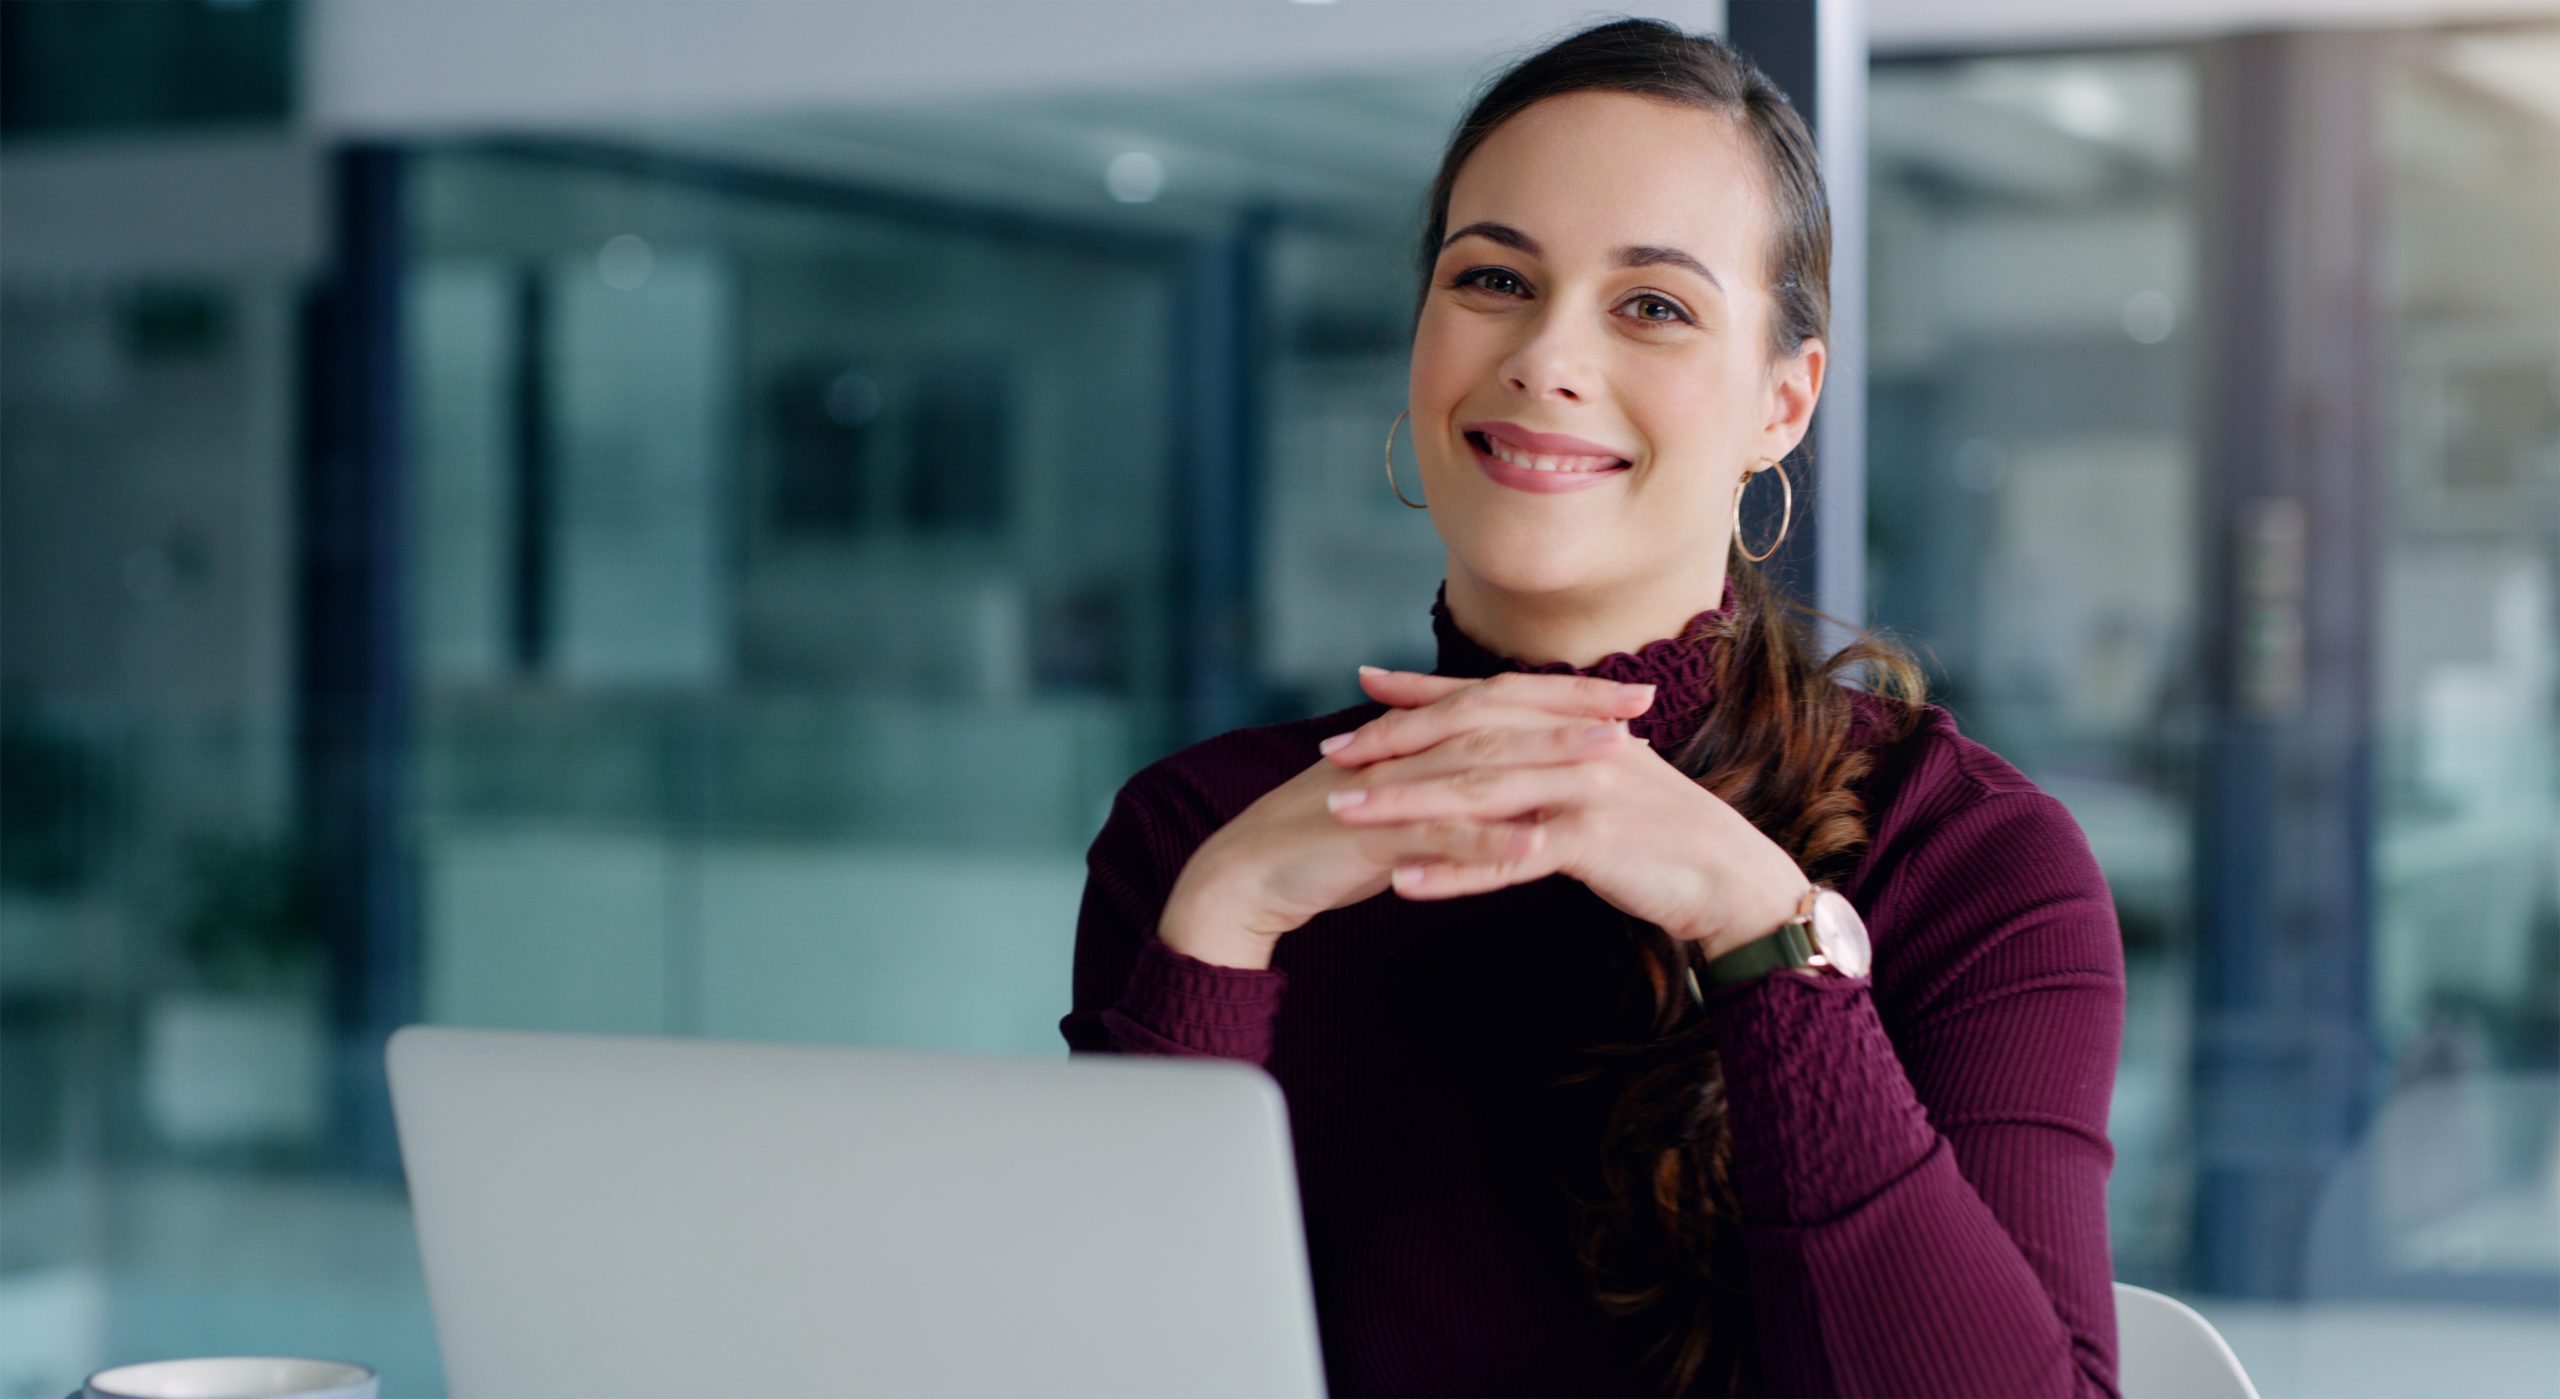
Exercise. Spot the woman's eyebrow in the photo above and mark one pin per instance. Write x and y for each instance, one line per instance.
(1637, 255)
(1655, 255)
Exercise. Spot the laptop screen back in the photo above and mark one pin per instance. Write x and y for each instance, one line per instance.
(607, 1215)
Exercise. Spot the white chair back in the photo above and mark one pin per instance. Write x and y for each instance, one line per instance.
(2166, 1350)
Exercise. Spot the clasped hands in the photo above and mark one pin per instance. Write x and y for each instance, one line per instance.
(1544, 766)
(1466, 786)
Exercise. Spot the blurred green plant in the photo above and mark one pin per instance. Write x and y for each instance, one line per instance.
(251, 915)
(50, 789)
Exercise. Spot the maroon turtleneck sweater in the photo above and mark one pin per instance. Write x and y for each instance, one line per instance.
(1920, 1158)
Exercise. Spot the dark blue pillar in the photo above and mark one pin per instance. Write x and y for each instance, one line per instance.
(2294, 483)
(1216, 375)
(354, 678)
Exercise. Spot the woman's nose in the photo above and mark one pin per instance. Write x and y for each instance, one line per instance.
(1549, 362)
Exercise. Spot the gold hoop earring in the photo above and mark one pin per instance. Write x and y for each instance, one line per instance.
(1391, 461)
(1786, 517)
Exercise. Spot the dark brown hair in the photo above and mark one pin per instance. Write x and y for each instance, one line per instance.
(1656, 1236)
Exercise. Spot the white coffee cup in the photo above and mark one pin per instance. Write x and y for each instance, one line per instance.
(235, 1377)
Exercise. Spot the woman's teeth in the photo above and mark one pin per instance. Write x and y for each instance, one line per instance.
(1506, 452)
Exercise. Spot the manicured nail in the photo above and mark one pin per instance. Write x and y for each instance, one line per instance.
(1407, 875)
(1601, 731)
(1333, 744)
(1640, 691)
(1373, 670)
(1345, 797)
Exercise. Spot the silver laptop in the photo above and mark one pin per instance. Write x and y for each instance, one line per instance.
(635, 1217)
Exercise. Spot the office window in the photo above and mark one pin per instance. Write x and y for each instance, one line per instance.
(2464, 1154)
(2033, 497)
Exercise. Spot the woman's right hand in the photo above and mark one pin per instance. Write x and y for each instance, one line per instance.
(1285, 859)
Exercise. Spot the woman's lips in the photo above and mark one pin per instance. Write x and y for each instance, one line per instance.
(1533, 480)
(1521, 439)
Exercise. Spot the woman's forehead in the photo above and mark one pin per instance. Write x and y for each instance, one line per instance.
(1590, 172)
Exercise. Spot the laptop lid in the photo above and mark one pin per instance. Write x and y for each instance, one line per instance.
(638, 1217)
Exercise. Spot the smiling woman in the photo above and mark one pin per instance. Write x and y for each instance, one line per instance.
(1655, 1009)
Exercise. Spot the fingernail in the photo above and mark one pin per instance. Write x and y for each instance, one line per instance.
(1345, 797)
(1641, 691)
(1407, 874)
(1373, 670)
(1333, 744)
(1600, 731)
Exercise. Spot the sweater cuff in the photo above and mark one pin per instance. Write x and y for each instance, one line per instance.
(1176, 1004)
(1823, 1117)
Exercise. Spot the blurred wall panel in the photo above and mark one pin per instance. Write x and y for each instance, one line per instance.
(641, 428)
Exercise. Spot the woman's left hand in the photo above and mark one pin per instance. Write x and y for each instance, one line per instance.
(1639, 832)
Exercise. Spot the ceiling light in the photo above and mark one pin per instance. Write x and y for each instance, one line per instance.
(1134, 177)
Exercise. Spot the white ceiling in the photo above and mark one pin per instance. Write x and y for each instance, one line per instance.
(397, 66)
(1997, 24)
(410, 68)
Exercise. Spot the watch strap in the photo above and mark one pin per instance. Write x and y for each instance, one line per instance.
(1790, 947)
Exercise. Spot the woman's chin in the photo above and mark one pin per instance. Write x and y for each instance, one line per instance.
(1527, 564)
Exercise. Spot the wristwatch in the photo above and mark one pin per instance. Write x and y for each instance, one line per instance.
(1825, 935)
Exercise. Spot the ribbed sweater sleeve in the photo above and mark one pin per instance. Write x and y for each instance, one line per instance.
(1131, 993)
(1921, 1162)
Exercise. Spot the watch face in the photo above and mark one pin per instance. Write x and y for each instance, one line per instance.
(1841, 934)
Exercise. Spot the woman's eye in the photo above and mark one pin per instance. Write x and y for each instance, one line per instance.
(1647, 308)
(1492, 279)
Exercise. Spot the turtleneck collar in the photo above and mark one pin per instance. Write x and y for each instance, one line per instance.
(1680, 667)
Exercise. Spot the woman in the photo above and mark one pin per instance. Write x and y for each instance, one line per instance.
(1592, 1088)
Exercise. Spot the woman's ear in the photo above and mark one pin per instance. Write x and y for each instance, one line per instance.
(1795, 385)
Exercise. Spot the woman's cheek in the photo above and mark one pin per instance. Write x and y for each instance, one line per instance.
(1445, 359)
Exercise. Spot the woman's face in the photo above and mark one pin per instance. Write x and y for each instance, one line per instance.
(1600, 305)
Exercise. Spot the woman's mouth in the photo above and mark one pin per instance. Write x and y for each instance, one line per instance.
(1540, 473)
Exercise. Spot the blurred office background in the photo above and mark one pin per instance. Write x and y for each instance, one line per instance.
(676, 518)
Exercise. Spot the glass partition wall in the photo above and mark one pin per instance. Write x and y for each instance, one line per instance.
(787, 570)
(2457, 1181)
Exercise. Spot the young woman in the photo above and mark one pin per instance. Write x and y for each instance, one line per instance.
(1561, 954)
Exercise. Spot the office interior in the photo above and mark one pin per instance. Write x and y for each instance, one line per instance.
(675, 519)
